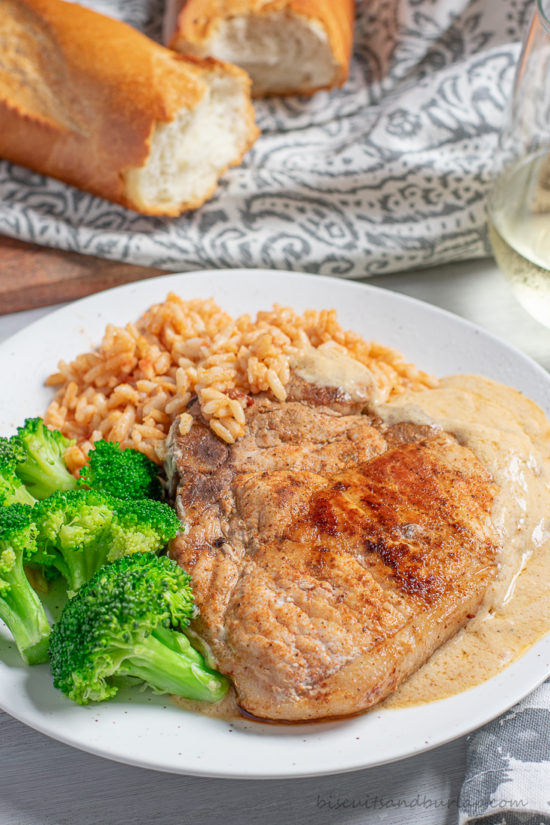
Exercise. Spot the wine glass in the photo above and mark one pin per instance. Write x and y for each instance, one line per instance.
(519, 203)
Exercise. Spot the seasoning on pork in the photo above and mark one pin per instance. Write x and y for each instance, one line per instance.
(330, 557)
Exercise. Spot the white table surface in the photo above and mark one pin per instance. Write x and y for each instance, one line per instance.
(43, 782)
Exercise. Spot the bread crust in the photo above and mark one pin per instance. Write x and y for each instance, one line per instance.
(81, 95)
(198, 21)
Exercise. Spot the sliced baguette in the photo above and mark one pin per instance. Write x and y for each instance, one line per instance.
(286, 46)
(91, 101)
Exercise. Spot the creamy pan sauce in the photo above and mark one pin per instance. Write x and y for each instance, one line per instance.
(330, 366)
(511, 437)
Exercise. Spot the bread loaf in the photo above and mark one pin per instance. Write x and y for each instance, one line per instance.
(91, 101)
(286, 46)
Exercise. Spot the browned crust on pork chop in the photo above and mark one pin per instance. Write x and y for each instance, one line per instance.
(330, 558)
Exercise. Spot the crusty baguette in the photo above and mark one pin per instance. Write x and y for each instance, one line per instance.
(286, 46)
(91, 101)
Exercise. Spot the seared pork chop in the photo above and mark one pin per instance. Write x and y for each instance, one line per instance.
(330, 557)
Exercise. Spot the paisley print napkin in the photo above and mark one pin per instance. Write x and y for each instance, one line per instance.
(508, 767)
(389, 172)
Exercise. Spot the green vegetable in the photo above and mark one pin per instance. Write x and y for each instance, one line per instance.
(124, 623)
(141, 526)
(80, 530)
(41, 464)
(12, 489)
(20, 607)
(122, 473)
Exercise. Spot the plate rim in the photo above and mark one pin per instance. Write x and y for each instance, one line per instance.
(164, 282)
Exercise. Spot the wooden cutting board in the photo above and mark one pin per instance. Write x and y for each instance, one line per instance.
(34, 276)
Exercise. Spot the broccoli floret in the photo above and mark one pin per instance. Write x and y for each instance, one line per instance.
(124, 623)
(80, 530)
(41, 465)
(141, 525)
(73, 534)
(20, 607)
(122, 473)
(12, 489)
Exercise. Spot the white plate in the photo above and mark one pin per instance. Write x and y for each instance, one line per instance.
(141, 729)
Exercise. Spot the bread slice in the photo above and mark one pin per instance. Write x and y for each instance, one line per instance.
(286, 46)
(91, 101)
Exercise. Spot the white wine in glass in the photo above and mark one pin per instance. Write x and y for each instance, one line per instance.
(519, 203)
(519, 229)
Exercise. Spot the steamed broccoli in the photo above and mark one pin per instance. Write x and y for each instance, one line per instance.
(72, 534)
(141, 525)
(12, 489)
(124, 623)
(41, 465)
(80, 530)
(122, 473)
(20, 607)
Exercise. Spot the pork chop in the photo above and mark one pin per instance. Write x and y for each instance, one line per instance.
(330, 557)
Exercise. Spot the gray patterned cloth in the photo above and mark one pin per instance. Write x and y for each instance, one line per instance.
(389, 172)
(508, 767)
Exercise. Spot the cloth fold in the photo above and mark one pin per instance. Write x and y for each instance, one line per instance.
(507, 778)
(389, 172)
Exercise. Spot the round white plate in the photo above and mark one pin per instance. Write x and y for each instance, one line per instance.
(142, 729)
